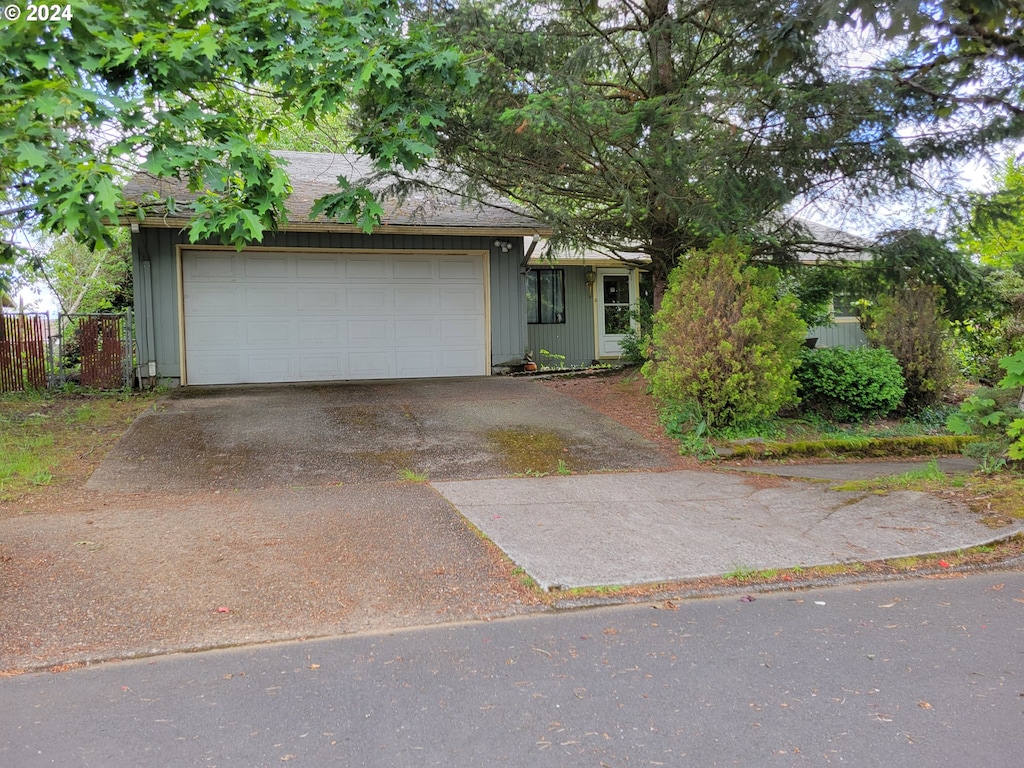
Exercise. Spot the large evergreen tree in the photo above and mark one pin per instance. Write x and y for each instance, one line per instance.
(658, 126)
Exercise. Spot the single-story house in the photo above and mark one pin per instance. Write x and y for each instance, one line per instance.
(445, 286)
(438, 289)
(579, 301)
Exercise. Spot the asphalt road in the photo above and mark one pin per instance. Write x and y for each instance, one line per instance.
(914, 673)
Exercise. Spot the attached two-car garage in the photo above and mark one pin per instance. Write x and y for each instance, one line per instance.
(269, 315)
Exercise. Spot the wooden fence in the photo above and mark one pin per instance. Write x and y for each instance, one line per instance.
(104, 350)
(23, 345)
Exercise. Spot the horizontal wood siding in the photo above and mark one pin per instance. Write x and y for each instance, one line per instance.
(575, 337)
(155, 259)
(847, 335)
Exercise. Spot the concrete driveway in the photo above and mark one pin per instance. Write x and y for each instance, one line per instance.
(314, 435)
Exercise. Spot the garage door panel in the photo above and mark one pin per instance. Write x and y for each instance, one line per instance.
(460, 332)
(370, 331)
(421, 331)
(369, 298)
(294, 316)
(266, 265)
(371, 364)
(320, 367)
(319, 267)
(316, 301)
(215, 368)
(459, 299)
(460, 268)
(416, 362)
(412, 268)
(321, 332)
(272, 367)
(416, 299)
(270, 300)
(217, 334)
(367, 268)
(213, 265)
(460, 362)
(215, 300)
(268, 334)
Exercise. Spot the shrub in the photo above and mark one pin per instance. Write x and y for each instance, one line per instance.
(850, 384)
(724, 341)
(636, 342)
(908, 323)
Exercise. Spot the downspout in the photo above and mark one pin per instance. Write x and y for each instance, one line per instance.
(523, 268)
(529, 252)
(146, 273)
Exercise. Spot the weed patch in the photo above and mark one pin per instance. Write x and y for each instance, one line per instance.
(49, 438)
(409, 476)
(528, 451)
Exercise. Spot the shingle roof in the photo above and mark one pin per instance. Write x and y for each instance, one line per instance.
(426, 203)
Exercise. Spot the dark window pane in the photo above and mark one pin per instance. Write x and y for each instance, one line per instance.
(616, 320)
(545, 296)
(532, 300)
(616, 289)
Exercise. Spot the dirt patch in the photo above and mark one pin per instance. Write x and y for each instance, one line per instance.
(622, 395)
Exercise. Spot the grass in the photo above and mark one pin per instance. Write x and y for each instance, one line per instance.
(48, 438)
(926, 478)
(410, 476)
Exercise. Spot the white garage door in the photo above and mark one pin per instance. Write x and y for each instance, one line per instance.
(270, 316)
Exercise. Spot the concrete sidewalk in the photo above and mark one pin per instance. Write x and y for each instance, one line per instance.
(635, 528)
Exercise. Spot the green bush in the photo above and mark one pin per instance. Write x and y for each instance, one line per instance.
(850, 384)
(636, 342)
(909, 323)
(724, 341)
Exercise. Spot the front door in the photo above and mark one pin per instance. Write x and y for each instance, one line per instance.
(613, 303)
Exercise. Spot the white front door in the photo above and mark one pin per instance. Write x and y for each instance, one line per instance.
(614, 297)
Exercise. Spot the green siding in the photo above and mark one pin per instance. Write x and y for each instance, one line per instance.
(847, 335)
(575, 337)
(157, 303)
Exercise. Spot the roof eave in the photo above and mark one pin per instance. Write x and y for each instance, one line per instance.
(169, 222)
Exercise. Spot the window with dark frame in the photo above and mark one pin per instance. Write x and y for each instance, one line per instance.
(545, 296)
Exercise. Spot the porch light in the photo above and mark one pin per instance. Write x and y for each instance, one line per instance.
(591, 276)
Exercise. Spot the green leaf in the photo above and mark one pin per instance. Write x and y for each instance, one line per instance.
(1014, 367)
(957, 425)
(31, 155)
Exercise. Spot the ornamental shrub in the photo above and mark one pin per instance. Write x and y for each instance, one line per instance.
(909, 323)
(724, 341)
(850, 384)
